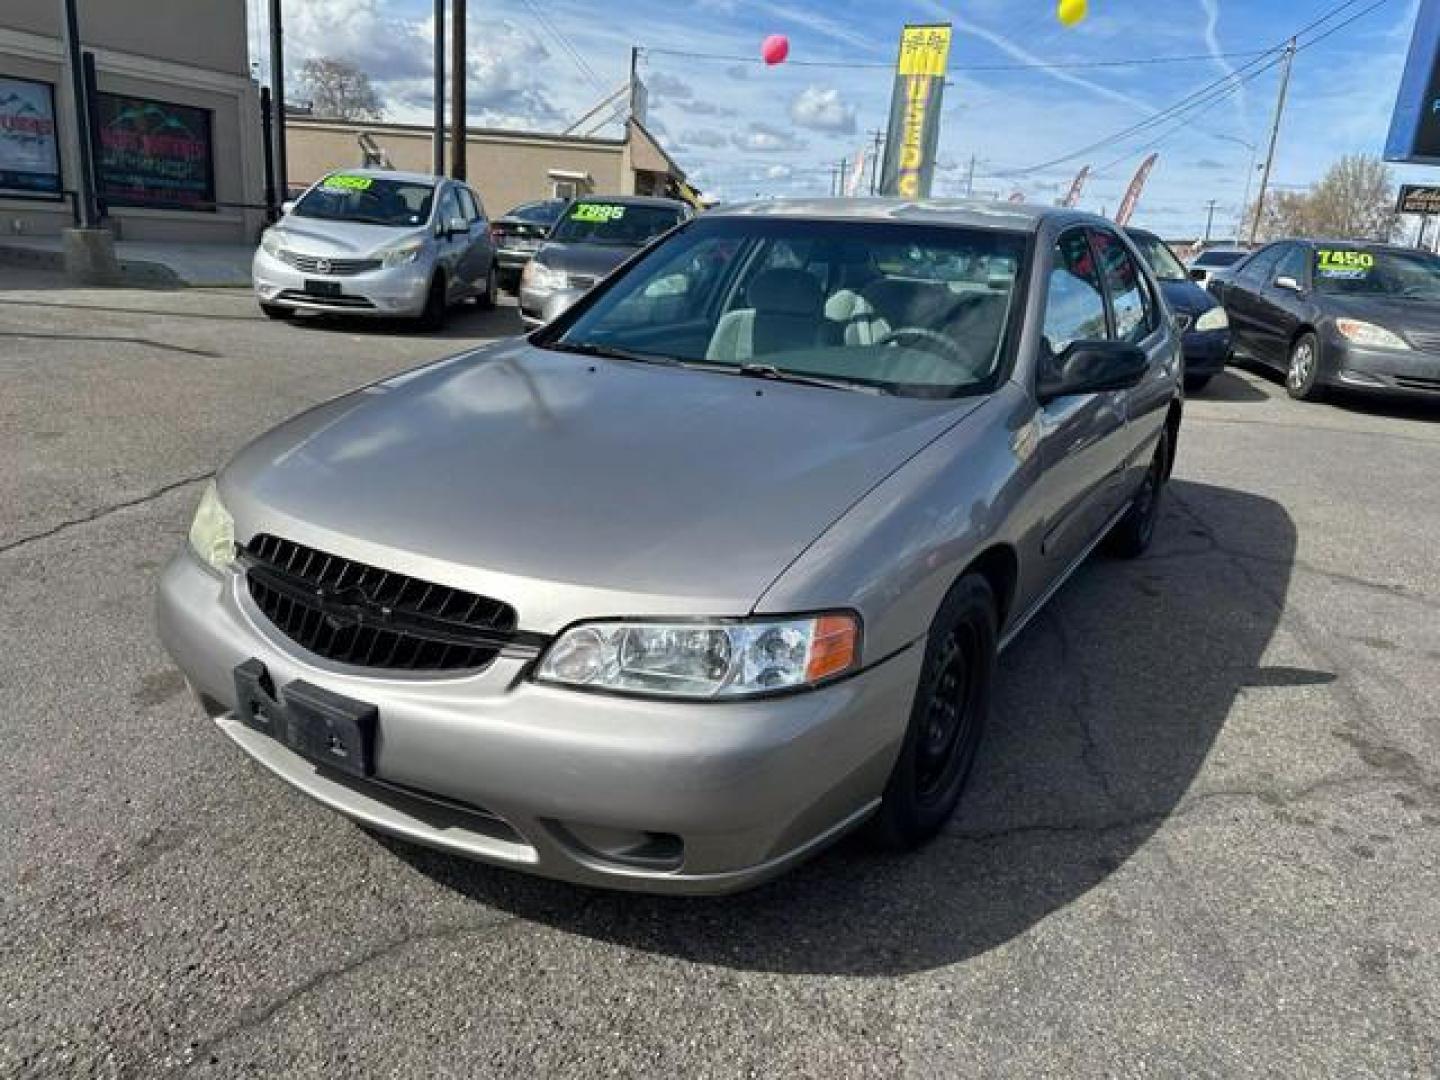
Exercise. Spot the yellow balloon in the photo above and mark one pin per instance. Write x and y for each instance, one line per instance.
(1071, 12)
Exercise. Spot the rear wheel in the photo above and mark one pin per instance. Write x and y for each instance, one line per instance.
(488, 297)
(1302, 378)
(952, 703)
(275, 311)
(433, 315)
(1132, 533)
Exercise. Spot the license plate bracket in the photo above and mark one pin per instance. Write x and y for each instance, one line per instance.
(328, 728)
(322, 288)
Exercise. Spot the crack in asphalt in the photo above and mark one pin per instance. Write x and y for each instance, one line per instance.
(104, 511)
(204, 316)
(1328, 429)
(112, 340)
(1079, 703)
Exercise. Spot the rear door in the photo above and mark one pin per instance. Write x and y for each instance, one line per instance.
(452, 246)
(1278, 310)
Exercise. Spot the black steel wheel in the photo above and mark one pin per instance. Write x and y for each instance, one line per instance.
(1133, 533)
(488, 298)
(947, 719)
(436, 308)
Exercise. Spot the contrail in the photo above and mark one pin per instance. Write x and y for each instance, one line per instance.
(1212, 42)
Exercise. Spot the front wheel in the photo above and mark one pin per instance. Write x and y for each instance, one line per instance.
(952, 703)
(432, 317)
(1302, 377)
(1132, 533)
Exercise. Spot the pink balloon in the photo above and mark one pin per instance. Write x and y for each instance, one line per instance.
(775, 49)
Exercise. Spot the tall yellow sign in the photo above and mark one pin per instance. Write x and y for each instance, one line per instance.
(914, 130)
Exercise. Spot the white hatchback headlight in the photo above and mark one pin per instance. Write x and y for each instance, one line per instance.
(212, 533)
(704, 659)
(273, 242)
(1364, 333)
(1214, 319)
(538, 276)
(401, 254)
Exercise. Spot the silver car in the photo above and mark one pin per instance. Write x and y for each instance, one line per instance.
(377, 242)
(711, 570)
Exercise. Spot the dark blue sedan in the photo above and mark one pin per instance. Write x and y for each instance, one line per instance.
(1201, 317)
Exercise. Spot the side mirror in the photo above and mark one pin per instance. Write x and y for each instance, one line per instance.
(287, 206)
(1092, 367)
(1285, 281)
(1197, 273)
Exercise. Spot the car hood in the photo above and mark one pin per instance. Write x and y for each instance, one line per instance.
(317, 236)
(592, 259)
(1186, 297)
(575, 487)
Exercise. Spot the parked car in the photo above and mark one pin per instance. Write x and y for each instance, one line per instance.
(1339, 314)
(519, 233)
(1213, 262)
(595, 235)
(377, 242)
(1200, 317)
(712, 569)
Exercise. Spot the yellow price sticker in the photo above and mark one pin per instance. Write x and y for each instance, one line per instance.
(598, 212)
(341, 182)
(1328, 259)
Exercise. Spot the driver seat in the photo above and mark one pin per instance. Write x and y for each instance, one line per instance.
(786, 312)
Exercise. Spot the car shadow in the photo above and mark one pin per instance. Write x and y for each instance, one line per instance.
(1107, 707)
(1227, 386)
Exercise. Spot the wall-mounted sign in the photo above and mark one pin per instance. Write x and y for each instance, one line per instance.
(1415, 124)
(914, 129)
(154, 154)
(29, 155)
(1418, 199)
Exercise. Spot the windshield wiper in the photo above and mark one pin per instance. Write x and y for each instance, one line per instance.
(610, 352)
(775, 374)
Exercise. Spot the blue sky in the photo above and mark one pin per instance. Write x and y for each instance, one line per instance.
(743, 129)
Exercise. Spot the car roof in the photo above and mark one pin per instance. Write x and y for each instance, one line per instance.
(974, 213)
(1325, 241)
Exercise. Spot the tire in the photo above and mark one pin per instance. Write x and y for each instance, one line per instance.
(275, 311)
(436, 309)
(947, 719)
(1131, 536)
(487, 298)
(1195, 383)
(1302, 375)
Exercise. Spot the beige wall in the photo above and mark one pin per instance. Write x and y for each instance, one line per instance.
(506, 169)
(130, 37)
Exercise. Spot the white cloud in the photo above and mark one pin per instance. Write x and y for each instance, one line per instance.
(821, 109)
(764, 139)
(704, 137)
(668, 86)
(778, 172)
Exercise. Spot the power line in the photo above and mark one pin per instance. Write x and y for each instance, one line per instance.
(1057, 65)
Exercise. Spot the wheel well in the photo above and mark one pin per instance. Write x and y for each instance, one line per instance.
(1301, 332)
(1001, 569)
(1172, 428)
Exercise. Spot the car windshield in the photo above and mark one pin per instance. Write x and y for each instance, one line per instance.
(913, 310)
(538, 213)
(1219, 258)
(592, 221)
(1161, 259)
(1413, 275)
(371, 200)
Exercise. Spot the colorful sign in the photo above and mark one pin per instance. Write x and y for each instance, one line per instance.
(1072, 197)
(1418, 199)
(29, 155)
(1415, 124)
(914, 129)
(154, 154)
(1132, 193)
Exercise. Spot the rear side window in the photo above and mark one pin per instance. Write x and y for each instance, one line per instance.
(1134, 316)
(1258, 269)
(1074, 299)
(1294, 263)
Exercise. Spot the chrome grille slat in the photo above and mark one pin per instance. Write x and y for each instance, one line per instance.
(334, 267)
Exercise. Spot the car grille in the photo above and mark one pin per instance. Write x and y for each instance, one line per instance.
(357, 614)
(319, 264)
(1426, 340)
(300, 297)
(1416, 382)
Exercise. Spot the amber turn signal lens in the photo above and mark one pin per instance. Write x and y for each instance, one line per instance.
(835, 647)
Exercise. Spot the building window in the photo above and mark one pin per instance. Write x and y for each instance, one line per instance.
(29, 155)
(154, 154)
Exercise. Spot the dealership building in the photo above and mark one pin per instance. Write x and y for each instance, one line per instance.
(177, 142)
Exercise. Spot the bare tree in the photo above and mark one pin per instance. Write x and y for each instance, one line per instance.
(1355, 200)
(339, 89)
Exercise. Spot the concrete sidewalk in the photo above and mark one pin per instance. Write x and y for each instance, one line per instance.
(143, 263)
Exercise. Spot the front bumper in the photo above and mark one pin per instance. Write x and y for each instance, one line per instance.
(1206, 351)
(532, 305)
(396, 292)
(1399, 372)
(565, 783)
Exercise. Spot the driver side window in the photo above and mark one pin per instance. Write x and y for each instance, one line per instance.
(1074, 300)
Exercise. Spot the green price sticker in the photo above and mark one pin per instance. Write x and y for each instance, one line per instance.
(1350, 263)
(341, 182)
(598, 212)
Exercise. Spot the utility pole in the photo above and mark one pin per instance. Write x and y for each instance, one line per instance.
(89, 212)
(1274, 137)
(877, 144)
(277, 94)
(437, 140)
(844, 172)
(970, 179)
(1209, 218)
(459, 102)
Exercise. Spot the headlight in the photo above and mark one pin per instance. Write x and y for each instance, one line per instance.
(1364, 333)
(1214, 319)
(212, 533)
(704, 659)
(539, 277)
(273, 241)
(401, 254)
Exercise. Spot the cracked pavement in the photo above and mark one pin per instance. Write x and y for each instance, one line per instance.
(1203, 837)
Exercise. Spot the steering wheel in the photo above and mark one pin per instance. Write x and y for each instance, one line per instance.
(948, 347)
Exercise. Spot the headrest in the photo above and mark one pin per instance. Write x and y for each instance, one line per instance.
(785, 292)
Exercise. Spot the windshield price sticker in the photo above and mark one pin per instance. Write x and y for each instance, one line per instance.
(1344, 264)
(348, 183)
(600, 212)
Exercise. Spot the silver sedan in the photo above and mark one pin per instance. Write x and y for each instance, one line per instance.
(377, 242)
(710, 571)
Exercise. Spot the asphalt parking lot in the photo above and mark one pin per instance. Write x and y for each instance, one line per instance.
(1203, 837)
